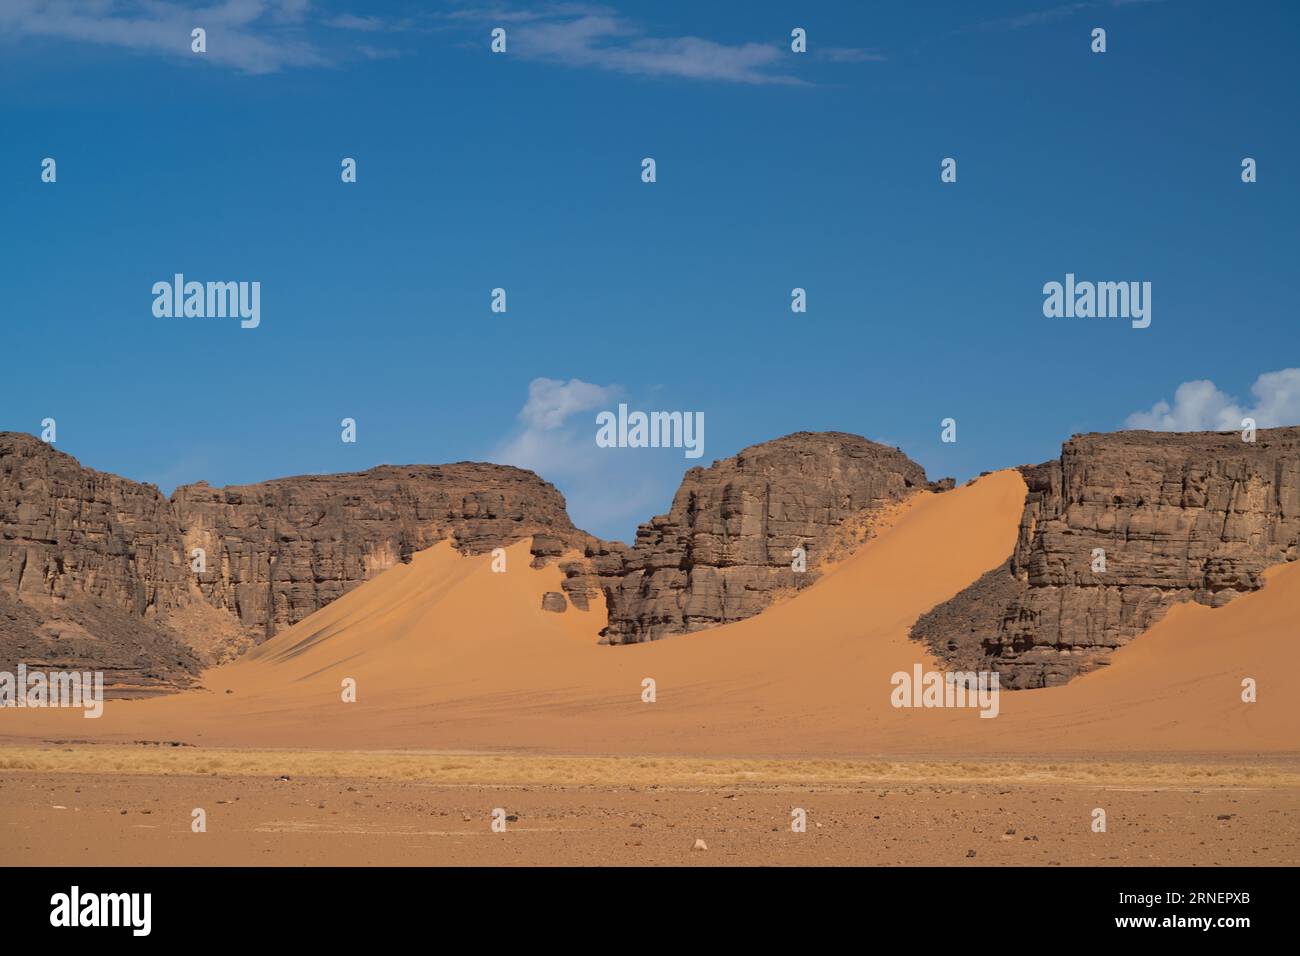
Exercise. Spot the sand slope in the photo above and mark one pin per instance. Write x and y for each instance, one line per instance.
(448, 655)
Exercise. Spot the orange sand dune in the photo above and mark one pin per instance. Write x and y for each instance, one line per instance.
(1179, 685)
(447, 655)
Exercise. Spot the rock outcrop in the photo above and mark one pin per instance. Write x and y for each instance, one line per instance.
(99, 572)
(727, 547)
(66, 530)
(278, 551)
(136, 655)
(90, 570)
(1115, 532)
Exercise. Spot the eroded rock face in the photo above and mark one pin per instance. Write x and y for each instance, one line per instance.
(725, 549)
(136, 655)
(66, 530)
(98, 572)
(90, 570)
(280, 550)
(1177, 517)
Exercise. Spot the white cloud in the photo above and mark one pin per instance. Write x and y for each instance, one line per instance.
(254, 36)
(266, 36)
(543, 443)
(348, 21)
(551, 401)
(542, 12)
(1036, 17)
(1201, 406)
(594, 36)
(843, 54)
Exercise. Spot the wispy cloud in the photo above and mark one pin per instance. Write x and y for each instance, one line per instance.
(843, 54)
(367, 24)
(1033, 18)
(253, 36)
(589, 36)
(267, 36)
(1201, 406)
(499, 14)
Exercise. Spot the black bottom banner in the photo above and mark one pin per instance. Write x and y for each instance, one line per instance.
(333, 904)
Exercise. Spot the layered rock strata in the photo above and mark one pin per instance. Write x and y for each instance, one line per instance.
(90, 571)
(1115, 532)
(98, 571)
(730, 544)
(280, 550)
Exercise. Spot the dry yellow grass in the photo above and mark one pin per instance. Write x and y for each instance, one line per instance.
(513, 769)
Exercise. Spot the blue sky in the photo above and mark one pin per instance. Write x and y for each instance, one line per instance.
(522, 171)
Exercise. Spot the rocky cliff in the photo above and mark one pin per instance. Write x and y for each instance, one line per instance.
(90, 570)
(68, 530)
(1115, 532)
(100, 572)
(726, 548)
(277, 551)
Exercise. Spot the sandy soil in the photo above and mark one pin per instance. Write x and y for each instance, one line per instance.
(883, 813)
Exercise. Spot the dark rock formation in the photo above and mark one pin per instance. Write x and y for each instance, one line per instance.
(724, 551)
(280, 550)
(67, 530)
(97, 572)
(1179, 517)
(136, 655)
(90, 570)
